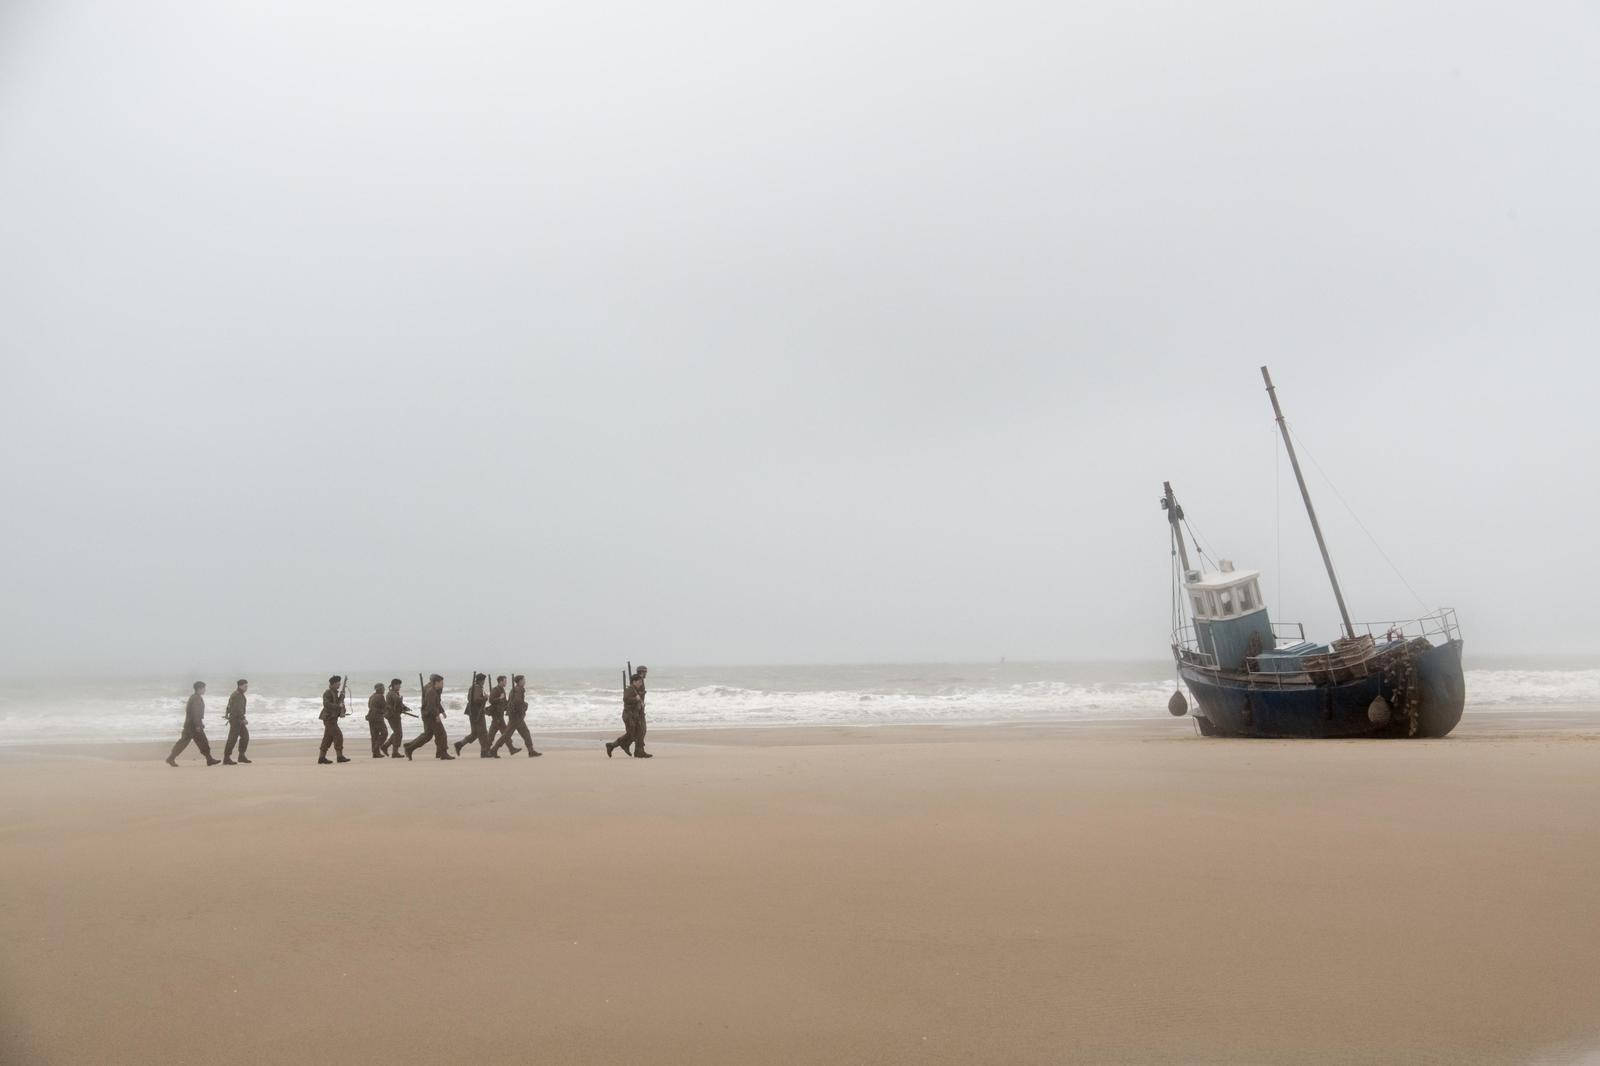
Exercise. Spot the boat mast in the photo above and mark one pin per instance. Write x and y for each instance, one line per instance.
(1311, 512)
(1169, 504)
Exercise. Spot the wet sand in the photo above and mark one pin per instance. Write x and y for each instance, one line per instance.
(1100, 893)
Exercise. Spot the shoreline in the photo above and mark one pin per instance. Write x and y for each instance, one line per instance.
(1475, 725)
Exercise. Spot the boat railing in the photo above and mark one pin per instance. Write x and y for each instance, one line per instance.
(1186, 649)
(1343, 659)
(1295, 631)
(1348, 657)
(1338, 662)
(1440, 625)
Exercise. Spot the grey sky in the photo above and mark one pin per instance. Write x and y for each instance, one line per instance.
(374, 333)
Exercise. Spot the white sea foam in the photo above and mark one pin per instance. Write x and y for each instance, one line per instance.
(288, 705)
(1532, 689)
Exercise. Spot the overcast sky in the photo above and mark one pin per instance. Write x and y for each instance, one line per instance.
(363, 333)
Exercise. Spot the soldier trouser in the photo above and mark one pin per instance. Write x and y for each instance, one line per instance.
(332, 737)
(393, 743)
(196, 733)
(633, 723)
(497, 728)
(380, 735)
(509, 733)
(434, 728)
(475, 720)
(238, 733)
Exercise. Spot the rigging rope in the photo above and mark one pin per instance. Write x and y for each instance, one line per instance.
(1199, 549)
(1363, 525)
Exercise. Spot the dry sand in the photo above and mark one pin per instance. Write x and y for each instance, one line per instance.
(1120, 893)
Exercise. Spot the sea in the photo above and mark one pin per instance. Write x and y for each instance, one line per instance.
(58, 710)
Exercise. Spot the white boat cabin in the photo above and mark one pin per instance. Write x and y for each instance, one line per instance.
(1230, 617)
(1224, 593)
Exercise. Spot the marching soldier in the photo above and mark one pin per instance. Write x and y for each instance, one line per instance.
(394, 705)
(475, 713)
(497, 719)
(238, 727)
(375, 726)
(332, 711)
(633, 723)
(518, 723)
(194, 727)
(432, 721)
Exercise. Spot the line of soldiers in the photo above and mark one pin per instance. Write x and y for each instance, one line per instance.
(495, 718)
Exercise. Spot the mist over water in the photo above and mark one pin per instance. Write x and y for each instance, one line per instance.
(287, 705)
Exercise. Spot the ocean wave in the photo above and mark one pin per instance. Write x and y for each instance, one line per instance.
(1532, 689)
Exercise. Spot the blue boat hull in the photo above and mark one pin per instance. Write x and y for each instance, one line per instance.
(1235, 708)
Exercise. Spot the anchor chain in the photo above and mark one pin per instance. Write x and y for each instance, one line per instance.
(1406, 695)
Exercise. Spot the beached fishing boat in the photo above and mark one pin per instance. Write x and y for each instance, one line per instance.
(1252, 677)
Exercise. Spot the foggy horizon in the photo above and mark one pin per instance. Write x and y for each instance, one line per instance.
(783, 335)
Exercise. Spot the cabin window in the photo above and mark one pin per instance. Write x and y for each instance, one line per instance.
(1211, 604)
(1199, 607)
(1255, 587)
(1247, 602)
(1227, 602)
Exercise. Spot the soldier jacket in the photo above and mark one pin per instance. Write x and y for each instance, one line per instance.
(432, 702)
(394, 703)
(194, 712)
(331, 705)
(497, 700)
(235, 711)
(475, 699)
(633, 697)
(375, 706)
(519, 702)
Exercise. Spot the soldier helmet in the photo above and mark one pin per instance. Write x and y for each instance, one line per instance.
(198, 685)
(642, 670)
(335, 679)
(480, 677)
(378, 687)
(435, 677)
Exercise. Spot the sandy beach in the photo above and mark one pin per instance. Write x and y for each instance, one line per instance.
(1120, 892)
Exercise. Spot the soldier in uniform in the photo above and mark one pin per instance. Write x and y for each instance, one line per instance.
(394, 706)
(432, 721)
(194, 727)
(332, 711)
(497, 719)
(632, 718)
(518, 723)
(476, 702)
(238, 727)
(375, 726)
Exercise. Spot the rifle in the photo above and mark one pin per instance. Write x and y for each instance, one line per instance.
(406, 710)
(344, 686)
